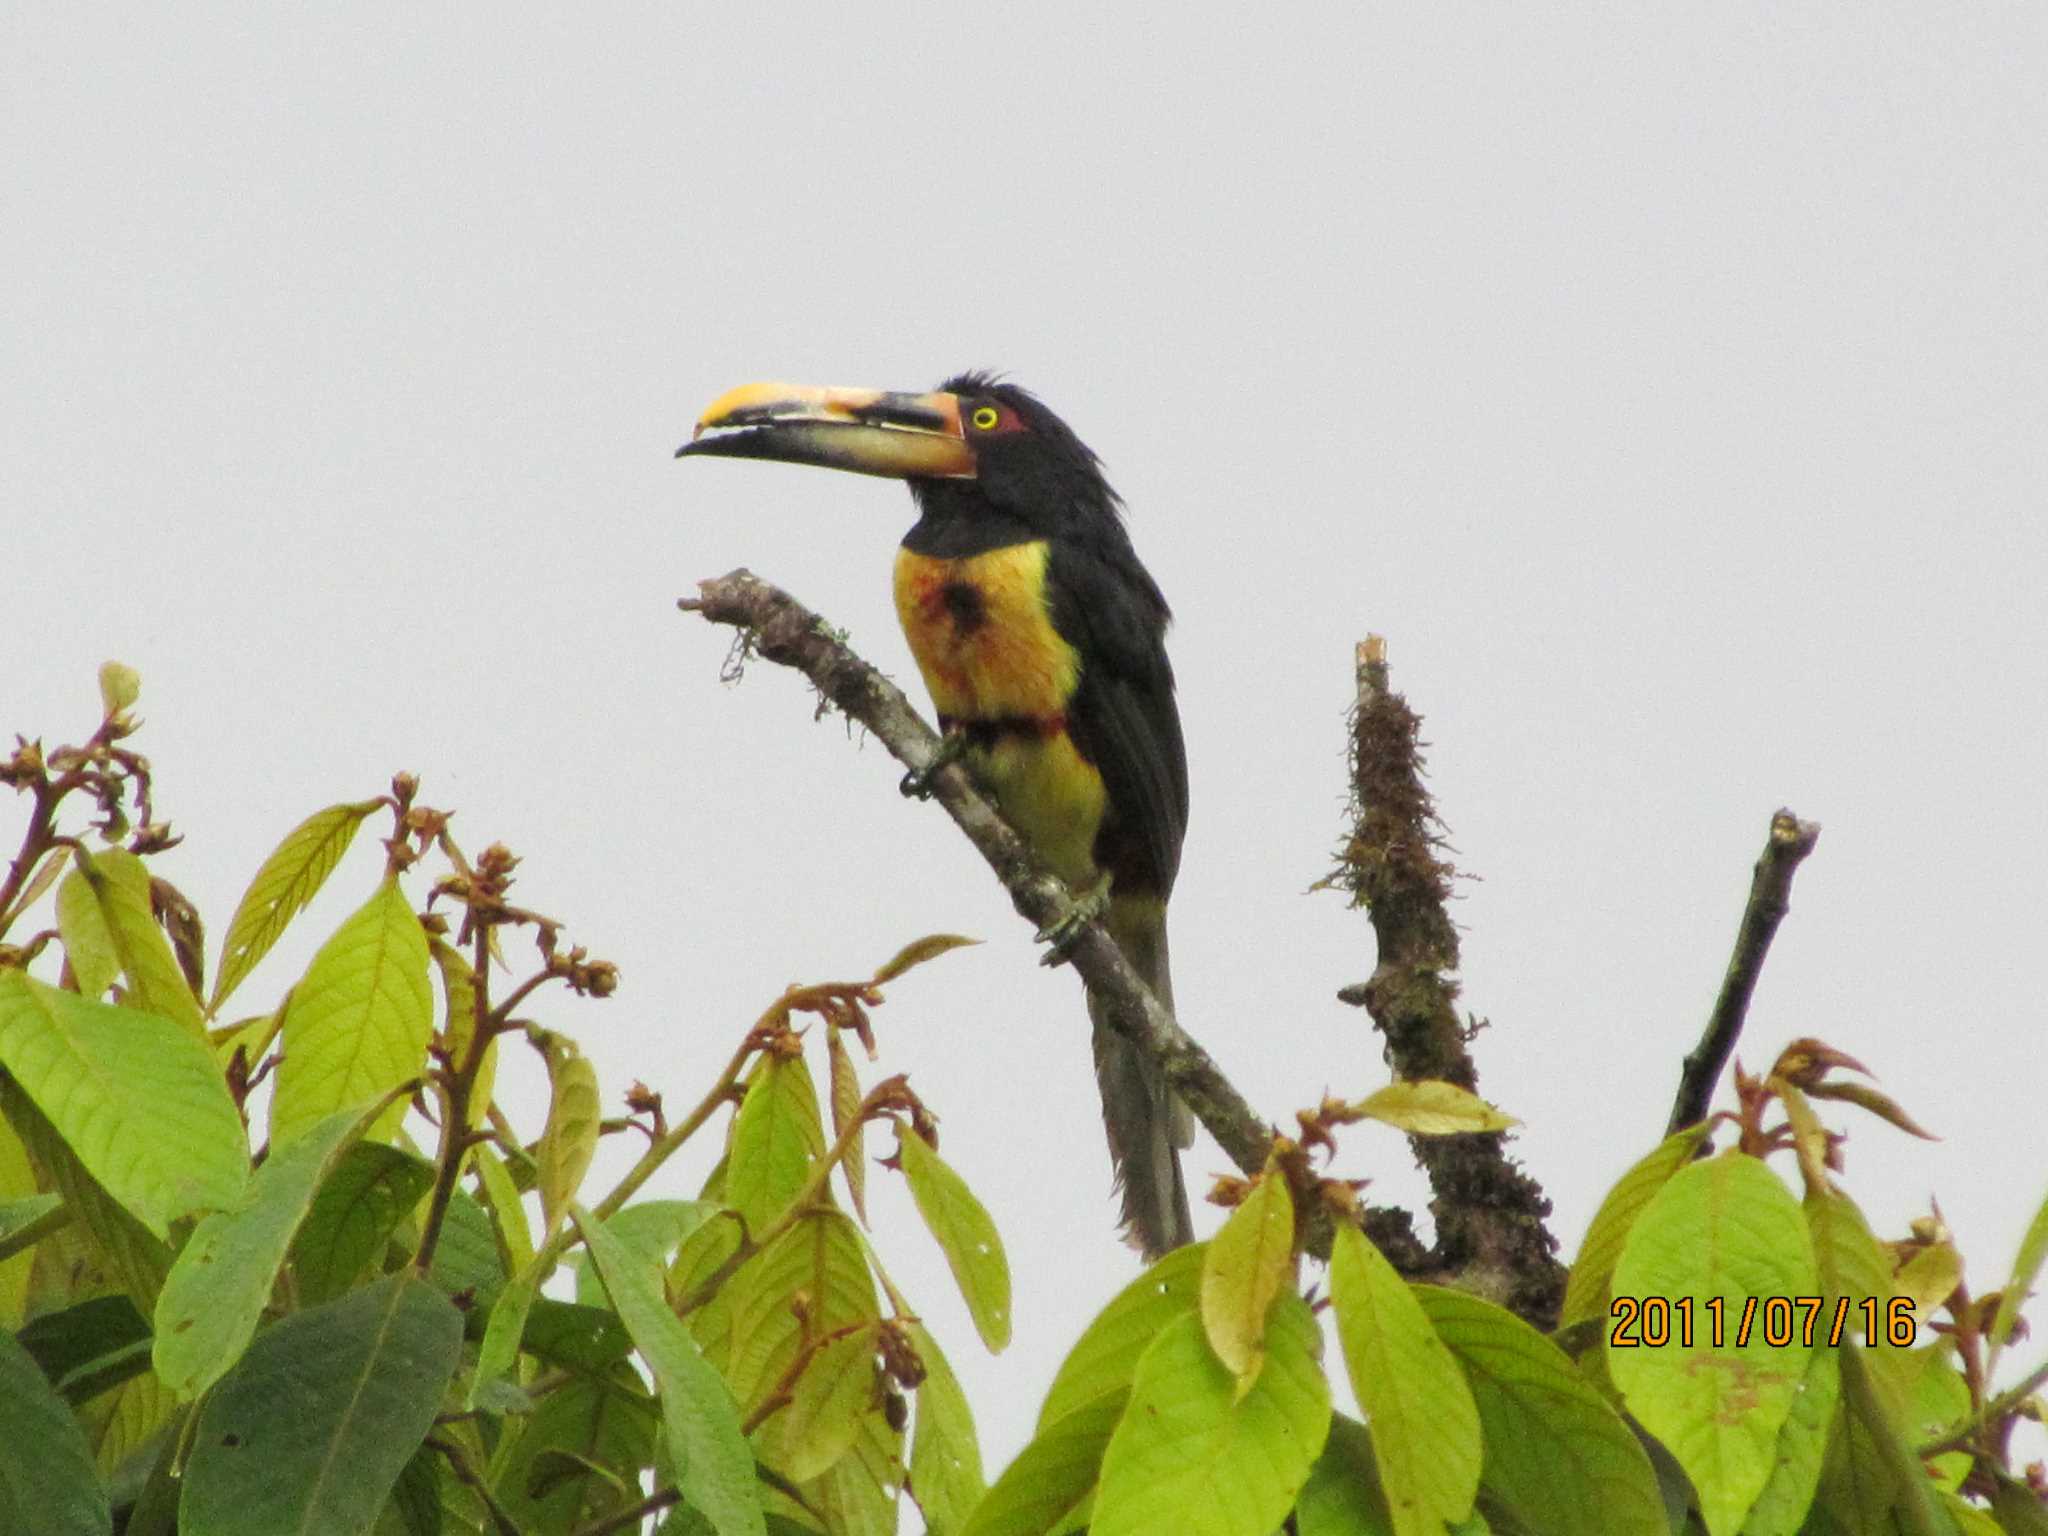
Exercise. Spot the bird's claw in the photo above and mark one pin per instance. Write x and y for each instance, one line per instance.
(1060, 935)
(917, 784)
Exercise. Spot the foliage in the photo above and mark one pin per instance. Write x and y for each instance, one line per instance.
(298, 1271)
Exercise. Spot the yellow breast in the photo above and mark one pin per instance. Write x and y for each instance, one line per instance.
(983, 636)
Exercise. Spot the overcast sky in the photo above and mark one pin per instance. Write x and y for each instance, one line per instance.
(1667, 384)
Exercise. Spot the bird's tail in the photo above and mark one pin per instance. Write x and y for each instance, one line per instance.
(1146, 1123)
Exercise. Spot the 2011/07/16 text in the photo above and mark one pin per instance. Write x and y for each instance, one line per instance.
(1780, 1321)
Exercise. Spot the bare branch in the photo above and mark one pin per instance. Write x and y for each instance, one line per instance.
(782, 630)
(1770, 898)
(1490, 1215)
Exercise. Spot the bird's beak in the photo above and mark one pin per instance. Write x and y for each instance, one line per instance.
(869, 431)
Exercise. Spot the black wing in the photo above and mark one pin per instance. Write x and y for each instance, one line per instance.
(1122, 718)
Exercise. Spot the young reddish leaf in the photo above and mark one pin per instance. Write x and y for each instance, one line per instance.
(1248, 1263)
(284, 884)
(917, 952)
(1882, 1105)
(45, 876)
(965, 1233)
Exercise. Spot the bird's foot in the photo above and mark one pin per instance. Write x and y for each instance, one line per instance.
(917, 784)
(1060, 934)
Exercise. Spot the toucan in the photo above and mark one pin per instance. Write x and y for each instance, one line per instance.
(1042, 639)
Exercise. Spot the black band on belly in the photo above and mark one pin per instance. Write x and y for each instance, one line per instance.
(986, 733)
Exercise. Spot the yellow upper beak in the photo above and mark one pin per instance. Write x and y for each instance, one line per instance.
(869, 431)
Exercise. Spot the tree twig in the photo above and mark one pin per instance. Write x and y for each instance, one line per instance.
(782, 630)
(1770, 898)
(1490, 1215)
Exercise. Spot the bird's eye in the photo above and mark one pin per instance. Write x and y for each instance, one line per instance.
(986, 417)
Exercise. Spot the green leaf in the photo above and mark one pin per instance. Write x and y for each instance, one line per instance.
(577, 1457)
(217, 1289)
(1193, 1454)
(88, 942)
(458, 991)
(714, 1466)
(120, 687)
(309, 1432)
(284, 885)
(1248, 1262)
(1586, 1288)
(2018, 1508)
(1932, 1398)
(103, 1244)
(2026, 1269)
(358, 1206)
(120, 1086)
(358, 1023)
(1425, 1426)
(508, 1213)
(1048, 1487)
(966, 1235)
(1800, 1452)
(835, 1390)
(48, 1483)
(846, 1102)
(1852, 1265)
(123, 1424)
(19, 1216)
(1427, 1107)
(119, 884)
(859, 1494)
(466, 1264)
(1106, 1355)
(1556, 1455)
(66, 1343)
(580, 1339)
(499, 1351)
(653, 1231)
(776, 1138)
(1342, 1496)
(415, 1505)
(945, 1456)
(820, 1260)
(569, 1140)
(1720, 1240)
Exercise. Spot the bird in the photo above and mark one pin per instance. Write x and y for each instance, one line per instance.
(1042, 640)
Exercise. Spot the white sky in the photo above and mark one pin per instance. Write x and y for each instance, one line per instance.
(1667, 384)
